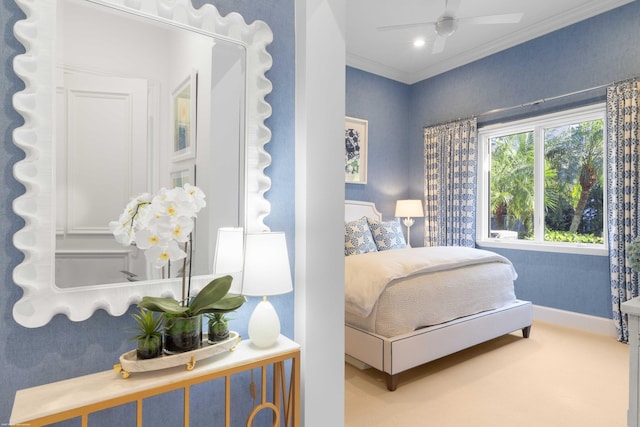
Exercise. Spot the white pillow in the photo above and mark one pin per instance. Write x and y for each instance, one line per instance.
(387, 234)
(358, 238)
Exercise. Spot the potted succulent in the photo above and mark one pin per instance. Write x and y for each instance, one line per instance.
(183, 322)
(218, 327)
(149, 334)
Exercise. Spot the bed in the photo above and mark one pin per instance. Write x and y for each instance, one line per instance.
(408, 306)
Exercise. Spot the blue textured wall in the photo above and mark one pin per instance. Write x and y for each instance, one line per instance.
(594, 52)
(578, 283)
(64, 349)
(385, 104)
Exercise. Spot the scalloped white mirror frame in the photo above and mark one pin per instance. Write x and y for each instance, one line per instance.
(41, 299)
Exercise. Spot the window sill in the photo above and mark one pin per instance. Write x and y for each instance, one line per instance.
(567, 248)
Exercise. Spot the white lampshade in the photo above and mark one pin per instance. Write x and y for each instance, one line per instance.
(409, 208)
(228, 257)
(266, 265)
(266, 272)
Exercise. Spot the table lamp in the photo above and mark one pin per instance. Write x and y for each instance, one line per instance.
(266, 272)
(408, 209)
(229, 256)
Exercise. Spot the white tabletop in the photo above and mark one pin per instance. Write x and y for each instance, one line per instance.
(53, 398)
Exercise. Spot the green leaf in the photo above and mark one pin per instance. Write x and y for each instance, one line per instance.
(213, 292)
(228, 303)
(163, 305)
(148, 323)
(213, 298)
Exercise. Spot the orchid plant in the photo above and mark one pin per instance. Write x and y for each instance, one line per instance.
(159, 225)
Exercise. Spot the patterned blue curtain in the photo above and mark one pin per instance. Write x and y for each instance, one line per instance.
(450, 183)
(623, 192)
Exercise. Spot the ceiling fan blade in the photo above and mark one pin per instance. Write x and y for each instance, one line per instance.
(438, 44)
(405, 26)
(510, 18)
(451, 7)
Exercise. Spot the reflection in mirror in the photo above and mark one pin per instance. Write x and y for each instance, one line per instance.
(86, 155)
(134, 114)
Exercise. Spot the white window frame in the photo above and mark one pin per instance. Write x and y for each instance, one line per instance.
(537, 125)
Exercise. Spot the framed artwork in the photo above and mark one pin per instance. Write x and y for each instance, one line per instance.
(183, 174)
(355, 154)
(183, 118)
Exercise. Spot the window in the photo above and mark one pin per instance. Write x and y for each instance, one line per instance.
(542, 184)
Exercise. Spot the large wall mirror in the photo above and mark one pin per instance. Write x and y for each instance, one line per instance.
(124, 97)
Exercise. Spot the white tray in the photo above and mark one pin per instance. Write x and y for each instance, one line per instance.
(129, 362)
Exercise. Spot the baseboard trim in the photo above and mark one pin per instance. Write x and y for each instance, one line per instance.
(569, 319)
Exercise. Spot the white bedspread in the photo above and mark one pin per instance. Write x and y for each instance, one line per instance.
(367, 275)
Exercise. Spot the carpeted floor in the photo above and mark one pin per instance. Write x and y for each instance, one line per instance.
(559, 377)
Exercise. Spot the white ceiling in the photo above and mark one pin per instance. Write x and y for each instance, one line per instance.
(391, 53)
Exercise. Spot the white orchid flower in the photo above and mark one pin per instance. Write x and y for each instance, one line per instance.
(173, 203)
(159, 256)
(146, 239)
(123, 235)
(124, 229)
(197, 196)
(181, 228)
(157, 224)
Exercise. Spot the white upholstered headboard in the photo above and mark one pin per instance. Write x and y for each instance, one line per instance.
(354, 209)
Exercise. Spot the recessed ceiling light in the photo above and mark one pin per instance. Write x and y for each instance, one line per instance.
(418, 42)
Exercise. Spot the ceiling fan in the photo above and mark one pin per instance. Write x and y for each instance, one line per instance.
(447, 23)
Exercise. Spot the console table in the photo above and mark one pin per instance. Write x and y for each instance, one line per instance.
(81, 396)
(632, 309)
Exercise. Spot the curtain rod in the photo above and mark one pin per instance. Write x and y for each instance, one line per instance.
(543, 100)
(529, 104)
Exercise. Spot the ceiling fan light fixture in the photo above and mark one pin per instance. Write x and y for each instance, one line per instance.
(446, 25)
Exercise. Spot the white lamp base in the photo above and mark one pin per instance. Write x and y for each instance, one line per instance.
(264, 325)
(408, 222)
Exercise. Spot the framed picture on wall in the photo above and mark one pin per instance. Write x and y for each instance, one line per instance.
(183, 173)
(355, 154)
(183, 118)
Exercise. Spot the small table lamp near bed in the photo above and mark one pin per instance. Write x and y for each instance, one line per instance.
(409, 209)
(266, 272)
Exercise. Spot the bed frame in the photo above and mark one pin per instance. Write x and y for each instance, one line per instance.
(400, 353)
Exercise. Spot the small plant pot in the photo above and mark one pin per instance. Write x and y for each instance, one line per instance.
(149, 348)
(218, 330)
(182, 334)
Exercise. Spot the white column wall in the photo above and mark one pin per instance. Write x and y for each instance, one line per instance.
(319, 298)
